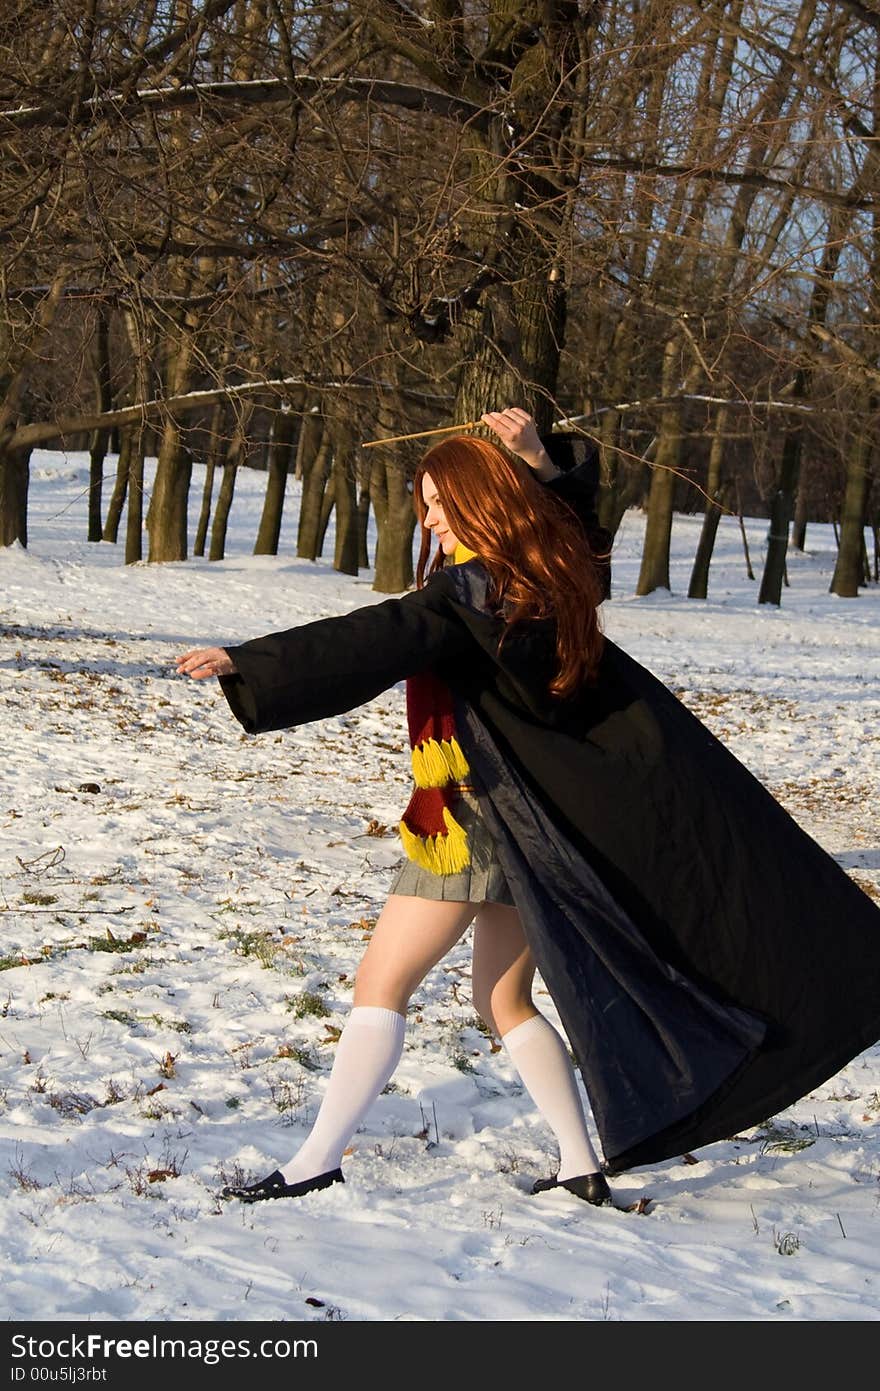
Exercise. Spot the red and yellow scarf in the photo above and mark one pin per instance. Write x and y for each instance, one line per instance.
(431, 836)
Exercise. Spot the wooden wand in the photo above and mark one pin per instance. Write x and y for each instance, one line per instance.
(443, 430)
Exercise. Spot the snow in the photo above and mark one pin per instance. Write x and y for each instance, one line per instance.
(181, 943)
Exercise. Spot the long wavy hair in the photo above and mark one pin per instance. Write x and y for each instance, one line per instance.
(530, 541)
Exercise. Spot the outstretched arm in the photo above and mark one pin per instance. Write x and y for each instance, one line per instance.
(335, 664)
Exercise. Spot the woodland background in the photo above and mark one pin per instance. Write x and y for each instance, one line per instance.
(258, 233)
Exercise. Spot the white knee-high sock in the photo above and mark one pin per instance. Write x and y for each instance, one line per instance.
(541, 1059)
(367, 1053)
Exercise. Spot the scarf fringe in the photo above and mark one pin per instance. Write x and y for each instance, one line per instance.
(441, 854)
(435, 762)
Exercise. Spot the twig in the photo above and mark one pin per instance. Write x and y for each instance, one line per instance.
(745, 540)
(62, 909)
(420, 434)
(51, 858)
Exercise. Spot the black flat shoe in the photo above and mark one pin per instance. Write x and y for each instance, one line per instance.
(273, 1186)
(593, 1188)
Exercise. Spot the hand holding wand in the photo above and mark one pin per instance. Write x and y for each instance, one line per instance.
(443, 430)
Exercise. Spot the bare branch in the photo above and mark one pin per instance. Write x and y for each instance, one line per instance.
(859, 365)
(29, 436)
(259, 92)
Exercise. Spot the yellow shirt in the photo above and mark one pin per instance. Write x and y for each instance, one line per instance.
(461, 554)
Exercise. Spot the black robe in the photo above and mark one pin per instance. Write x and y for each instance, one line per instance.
(709, 961)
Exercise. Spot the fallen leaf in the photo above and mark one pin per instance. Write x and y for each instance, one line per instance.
(689, 1159)
(315, 1303)
(641, 1206)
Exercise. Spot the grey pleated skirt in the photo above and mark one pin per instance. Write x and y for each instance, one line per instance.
(482, 881)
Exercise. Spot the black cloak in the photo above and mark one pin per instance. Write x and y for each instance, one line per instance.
(709, 961)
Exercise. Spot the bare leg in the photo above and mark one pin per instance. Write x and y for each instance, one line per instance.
(503, 968)
(410, 936)
(502, 987)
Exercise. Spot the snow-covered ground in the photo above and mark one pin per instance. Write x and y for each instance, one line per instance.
(183, 910)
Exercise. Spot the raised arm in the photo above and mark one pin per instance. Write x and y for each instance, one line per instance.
(567, 464)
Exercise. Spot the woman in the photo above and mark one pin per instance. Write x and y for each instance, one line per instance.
(680, 919)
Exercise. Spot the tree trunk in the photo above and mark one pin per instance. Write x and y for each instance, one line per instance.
(280, 454)
(235, 457)
(137, 435)
(207, 503)
(782, 510)
(618, 473)
(851, 556)
(364, 513)
(100, 437)
(215, 449)
(167, 516)
(344, 489)
(392, 502)
(14, 480)
(328, 501)
(781, 513)
(518, 216)
(167, 513)
(654, 572)
(310, 435)
(315, 463)
(19, 349)
(134, 521)
(120, 489)
(224, 503)
(512, 357)
(699, 585)
(799, 530)
(395, 524)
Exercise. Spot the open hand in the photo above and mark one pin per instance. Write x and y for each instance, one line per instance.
(206, 661)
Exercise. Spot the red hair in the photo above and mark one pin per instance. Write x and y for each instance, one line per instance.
(530, 541)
